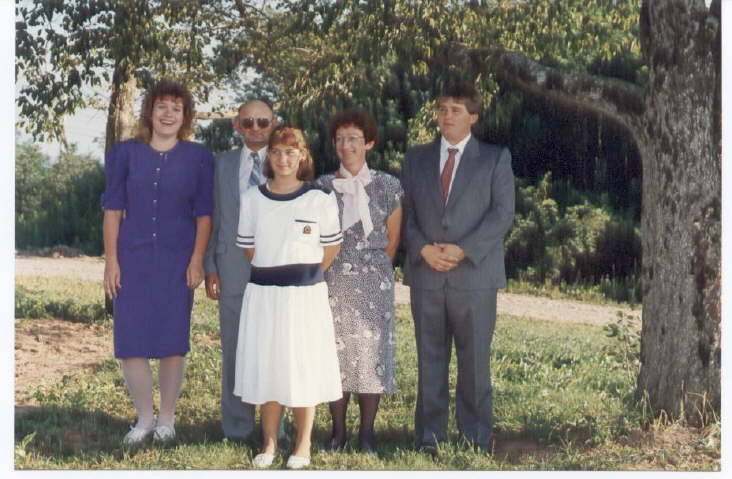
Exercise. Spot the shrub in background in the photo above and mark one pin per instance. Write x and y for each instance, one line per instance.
(57, 203)
(553, 244)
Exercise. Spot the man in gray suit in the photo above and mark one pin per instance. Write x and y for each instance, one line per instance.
(459, 204)
(227, 267)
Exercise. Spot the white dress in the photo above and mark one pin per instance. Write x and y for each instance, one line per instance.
(286, 348)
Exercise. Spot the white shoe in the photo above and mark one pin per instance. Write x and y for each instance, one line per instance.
(164, 433)
(137, 435)
(297, 462)
(263, 460)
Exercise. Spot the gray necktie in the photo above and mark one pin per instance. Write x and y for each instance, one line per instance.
(257, 177)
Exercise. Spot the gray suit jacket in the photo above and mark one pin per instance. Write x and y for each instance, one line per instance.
(478, 214)
(223, 256)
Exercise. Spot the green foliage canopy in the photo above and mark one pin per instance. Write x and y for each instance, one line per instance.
(391, 57)
(66, 49)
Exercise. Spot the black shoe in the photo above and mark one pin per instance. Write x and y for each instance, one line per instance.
(486, 449)
(429, 448)
(334, 445)
(367, 444)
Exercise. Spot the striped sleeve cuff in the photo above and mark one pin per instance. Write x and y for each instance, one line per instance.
(332, 239)
(244, 241)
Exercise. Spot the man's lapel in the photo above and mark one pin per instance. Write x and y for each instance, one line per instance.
(234, 164)
(465, 171)
(432, 166)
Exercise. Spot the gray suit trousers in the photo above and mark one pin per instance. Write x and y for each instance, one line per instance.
(237, 418)
(468, 317)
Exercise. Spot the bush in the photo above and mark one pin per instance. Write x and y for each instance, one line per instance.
(58, 203)
(584, 244)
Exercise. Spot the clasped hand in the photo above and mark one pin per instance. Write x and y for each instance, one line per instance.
(442, 257)
(213, 286)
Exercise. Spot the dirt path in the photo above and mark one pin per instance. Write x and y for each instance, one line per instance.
(522, 305)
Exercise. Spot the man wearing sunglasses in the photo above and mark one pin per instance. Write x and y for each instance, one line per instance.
(227, 267)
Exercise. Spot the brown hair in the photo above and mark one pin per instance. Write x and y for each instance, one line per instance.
(462, 92)
(290, 136)
(162, 89)
(360, 119)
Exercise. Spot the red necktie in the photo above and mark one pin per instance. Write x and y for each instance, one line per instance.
(446, 175)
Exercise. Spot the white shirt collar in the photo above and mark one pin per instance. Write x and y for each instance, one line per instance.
(444, 144)
(246, 153)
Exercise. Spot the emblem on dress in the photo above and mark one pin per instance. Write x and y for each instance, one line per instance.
(306, 229)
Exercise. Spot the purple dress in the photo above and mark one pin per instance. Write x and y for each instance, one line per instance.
(161, 193)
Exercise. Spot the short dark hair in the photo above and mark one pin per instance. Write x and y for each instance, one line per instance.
(293, 137)
(361, 119)
(166, 88)
(463, 92)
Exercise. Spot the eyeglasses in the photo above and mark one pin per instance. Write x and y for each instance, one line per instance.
(248, 123)
(347, 139)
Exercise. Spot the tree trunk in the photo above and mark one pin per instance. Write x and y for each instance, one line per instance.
(676, 124)
(680, 221)
(121, 122)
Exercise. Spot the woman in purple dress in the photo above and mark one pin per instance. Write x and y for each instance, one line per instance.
(157, 221)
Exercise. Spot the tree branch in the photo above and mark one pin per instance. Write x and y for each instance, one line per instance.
(215, 115)
(242, 8)
(615, 99)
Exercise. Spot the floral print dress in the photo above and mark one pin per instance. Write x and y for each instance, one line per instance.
(361, 292)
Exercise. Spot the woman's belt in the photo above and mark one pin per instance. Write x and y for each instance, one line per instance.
(287, 275)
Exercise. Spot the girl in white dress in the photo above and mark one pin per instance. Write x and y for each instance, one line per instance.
(286, 352)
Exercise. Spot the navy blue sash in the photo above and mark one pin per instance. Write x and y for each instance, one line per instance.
(287, 275)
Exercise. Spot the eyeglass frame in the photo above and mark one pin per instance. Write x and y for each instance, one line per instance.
(347, 139)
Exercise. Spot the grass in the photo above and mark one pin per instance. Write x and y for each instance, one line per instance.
(563, 400)
(63, 298)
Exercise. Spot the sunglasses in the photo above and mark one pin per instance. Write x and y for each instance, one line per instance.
(249, 122)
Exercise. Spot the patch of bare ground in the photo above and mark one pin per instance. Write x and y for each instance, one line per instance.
(46, 350)
(515, 449)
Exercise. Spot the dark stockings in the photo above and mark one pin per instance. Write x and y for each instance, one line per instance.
(338, 417)
(368, 404)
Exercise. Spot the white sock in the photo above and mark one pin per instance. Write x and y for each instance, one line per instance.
(170, 376)
(138, 378)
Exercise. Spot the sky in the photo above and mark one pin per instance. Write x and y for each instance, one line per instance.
(86, 127)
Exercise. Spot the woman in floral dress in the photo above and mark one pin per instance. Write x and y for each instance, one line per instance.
(361, 278)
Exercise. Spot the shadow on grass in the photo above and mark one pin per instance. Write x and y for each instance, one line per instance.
(508, 446)
(62, 432)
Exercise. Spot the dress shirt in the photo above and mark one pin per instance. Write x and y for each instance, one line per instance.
(444, 145)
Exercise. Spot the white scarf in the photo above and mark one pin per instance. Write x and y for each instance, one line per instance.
(355, 199)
